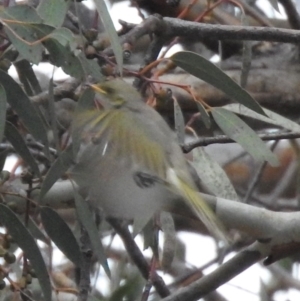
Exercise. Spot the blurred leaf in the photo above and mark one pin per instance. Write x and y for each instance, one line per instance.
(27, 77)
(3, 105)
(53, 12)
(26, 38)
(179, 122)
(86, 219)
(240, 132)
(62, 56)
(90, 67)
(85, 102)
(57, 169)
(20, 102)
(26, 242)
(3, 156)
(36, 231)
(17, 141)
(213, 175)
(20, 13)
(273, 118)
(61, 235)
(76, 66)
(204, 115)
(65, 37)
(169, 245)
(130, 289)
(275, 5)
(246, 55)
(111, 31)
(208, 72)
(52, 115)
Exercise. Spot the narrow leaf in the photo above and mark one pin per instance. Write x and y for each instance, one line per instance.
(3, 105)
(179, 122)
(17, 141)
(61, 234)
(204, 115)
(86, 218)
(28, 77)
(213, 175)
(26, 242)
(58, 168)
(53, 12)
(275, 5)
(36, 231)
(111, 31)
(208, 72)
(273, 118)
(240, 132)
(20, 102)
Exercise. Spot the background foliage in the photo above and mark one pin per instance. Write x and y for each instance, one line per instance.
(251, 95)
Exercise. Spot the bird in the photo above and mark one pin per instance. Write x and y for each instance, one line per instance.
(129, 164)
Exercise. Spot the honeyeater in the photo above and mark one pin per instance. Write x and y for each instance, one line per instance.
(129, 163)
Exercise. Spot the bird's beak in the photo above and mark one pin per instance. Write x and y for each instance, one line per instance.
(98, 89)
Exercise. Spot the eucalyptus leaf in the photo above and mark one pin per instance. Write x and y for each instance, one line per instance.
(273, 118)
(3, 104)
(36, 231)
(17, 141)
(204, 115)
(58, 168)
(111, 31)
(27, 77)
(62, 56)
(208, 72)
(86, 218)
(20, 102)
(179, 122)
(240, 132)
(53, 12)
(212, 175)
(27, 39)
(26, 242)
(61, 234)
(275, 5)
(20, 13)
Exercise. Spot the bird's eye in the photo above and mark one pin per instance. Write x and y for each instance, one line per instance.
(109, 90)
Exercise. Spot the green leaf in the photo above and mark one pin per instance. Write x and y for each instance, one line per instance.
(240, 132)
(36, 231)
(62, 56)
(61, 235)
(204, 115)
(2, 111)
(179, 122)
(275, 5)
(86, 218)
(27, 77)
(91, 68)
(58, 168)
(110, 29)
(17, 141)
(3, 156)
(208, 72)
(20, 13)
(20, 102)
(273, 118)
(26, 242)
(65, 37)
(169, 244)
(85, 102)
(53, 12)
(213, 175)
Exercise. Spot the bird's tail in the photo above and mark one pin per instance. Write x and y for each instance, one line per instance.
(203, 211)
